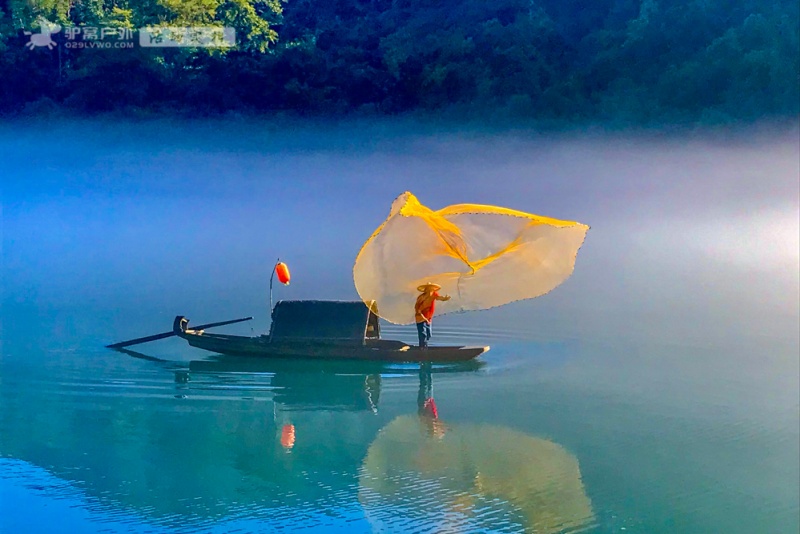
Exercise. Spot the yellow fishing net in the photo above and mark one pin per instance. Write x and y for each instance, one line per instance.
(482, 256)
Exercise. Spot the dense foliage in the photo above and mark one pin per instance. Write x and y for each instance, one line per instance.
(627, 61)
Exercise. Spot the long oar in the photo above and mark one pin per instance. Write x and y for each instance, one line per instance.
(170, 334)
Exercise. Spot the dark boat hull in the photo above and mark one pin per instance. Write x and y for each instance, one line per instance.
(377, 350)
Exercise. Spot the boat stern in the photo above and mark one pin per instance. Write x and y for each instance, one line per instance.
(179, 325)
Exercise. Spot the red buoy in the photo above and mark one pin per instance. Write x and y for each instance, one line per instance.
(282, 270)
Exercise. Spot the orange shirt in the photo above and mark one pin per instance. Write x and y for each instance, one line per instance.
(424, 308)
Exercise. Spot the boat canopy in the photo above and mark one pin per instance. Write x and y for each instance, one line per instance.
(326, 320)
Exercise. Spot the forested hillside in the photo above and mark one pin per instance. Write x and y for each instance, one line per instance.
(619, 61)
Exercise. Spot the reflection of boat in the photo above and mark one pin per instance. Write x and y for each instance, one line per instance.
(316, 384)
(240, 364)
(322, 330)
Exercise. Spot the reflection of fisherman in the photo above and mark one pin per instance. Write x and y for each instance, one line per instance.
(426, 406)
(425, 394)
(424, 309)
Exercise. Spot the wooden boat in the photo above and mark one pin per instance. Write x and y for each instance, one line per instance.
(321, 329)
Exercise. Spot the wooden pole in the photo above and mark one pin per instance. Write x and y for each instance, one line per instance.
(271, 277)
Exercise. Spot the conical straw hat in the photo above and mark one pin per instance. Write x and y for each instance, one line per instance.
(423, 287)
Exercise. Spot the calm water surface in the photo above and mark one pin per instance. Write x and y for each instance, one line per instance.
(656, 391)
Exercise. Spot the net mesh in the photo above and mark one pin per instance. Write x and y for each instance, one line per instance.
(482, 256)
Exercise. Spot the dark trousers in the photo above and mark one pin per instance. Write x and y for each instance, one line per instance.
(424, 332)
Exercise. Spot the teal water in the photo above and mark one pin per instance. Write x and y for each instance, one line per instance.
(656, 391)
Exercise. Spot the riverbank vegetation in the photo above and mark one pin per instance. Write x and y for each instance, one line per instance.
(638, 62)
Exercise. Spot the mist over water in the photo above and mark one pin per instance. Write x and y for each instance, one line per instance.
(677, 332)
(692, 237)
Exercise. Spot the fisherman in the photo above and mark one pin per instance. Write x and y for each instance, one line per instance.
(424, 309)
